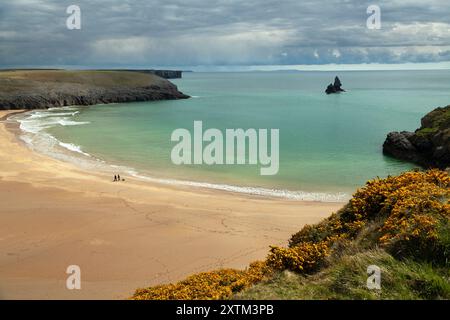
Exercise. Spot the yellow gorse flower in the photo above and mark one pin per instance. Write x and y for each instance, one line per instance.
(212, 285)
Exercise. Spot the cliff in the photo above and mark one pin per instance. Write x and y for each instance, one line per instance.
(166, 74)
(40, 89)
(428, 146)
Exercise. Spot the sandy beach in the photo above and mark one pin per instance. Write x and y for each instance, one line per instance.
(123, 235)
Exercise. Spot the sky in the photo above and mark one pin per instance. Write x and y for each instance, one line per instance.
(224, 34)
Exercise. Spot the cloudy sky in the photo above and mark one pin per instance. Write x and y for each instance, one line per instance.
(158, 33)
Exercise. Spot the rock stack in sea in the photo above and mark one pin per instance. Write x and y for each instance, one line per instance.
(336, 87)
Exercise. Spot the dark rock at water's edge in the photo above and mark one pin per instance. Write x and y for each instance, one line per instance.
(40, 89)
(428, 146)
(336, 87)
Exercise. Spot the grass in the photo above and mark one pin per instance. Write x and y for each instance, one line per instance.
(427, 131)
(439, 120)
(17, 80)
(346, 277)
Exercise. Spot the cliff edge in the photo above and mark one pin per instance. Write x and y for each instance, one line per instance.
(40, 89)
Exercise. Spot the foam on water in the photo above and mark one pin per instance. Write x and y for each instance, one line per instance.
(37, 121)
(74, 148)
(276, 193)
(33, 125)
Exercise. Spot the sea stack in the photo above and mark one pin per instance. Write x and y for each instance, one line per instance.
(336, 87)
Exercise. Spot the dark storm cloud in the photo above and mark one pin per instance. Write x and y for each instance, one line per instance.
(222, 32)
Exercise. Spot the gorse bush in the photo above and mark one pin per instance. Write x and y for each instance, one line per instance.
(412, 209)
(407, 215)
(305, 257)
(218, 284)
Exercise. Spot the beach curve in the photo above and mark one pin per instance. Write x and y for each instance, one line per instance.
(124, 235)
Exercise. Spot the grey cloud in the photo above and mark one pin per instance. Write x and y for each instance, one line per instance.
(222, 32)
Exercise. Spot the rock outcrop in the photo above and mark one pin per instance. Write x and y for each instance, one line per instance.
(40, 89)
(336, 87)
(428, 146)
(168, 74)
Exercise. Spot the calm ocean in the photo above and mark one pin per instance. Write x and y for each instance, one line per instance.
(328, 144)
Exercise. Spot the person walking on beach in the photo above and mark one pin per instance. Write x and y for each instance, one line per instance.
(115, 178)
(118, 177)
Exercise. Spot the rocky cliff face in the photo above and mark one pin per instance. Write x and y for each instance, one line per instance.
(428, 146)
(168, 74)
(39, 89)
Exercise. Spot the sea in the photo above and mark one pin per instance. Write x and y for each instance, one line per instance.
(329, 145)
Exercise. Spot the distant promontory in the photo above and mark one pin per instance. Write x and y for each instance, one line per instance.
(40, 89)
(428, 146)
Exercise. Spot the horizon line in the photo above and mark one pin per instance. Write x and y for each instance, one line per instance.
(408, 66)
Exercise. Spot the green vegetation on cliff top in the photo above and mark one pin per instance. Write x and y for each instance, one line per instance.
(16, 80)
(439, 119)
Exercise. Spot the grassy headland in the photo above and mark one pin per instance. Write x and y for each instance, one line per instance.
(37, 89)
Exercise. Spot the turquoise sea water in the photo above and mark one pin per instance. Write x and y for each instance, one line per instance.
(328, 143)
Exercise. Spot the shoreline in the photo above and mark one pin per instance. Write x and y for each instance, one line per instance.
(124, 235)
(10, 113)
(87, 162)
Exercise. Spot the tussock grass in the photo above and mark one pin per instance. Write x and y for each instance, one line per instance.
(345, 278)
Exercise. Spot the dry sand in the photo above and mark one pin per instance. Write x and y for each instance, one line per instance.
(123, 235)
